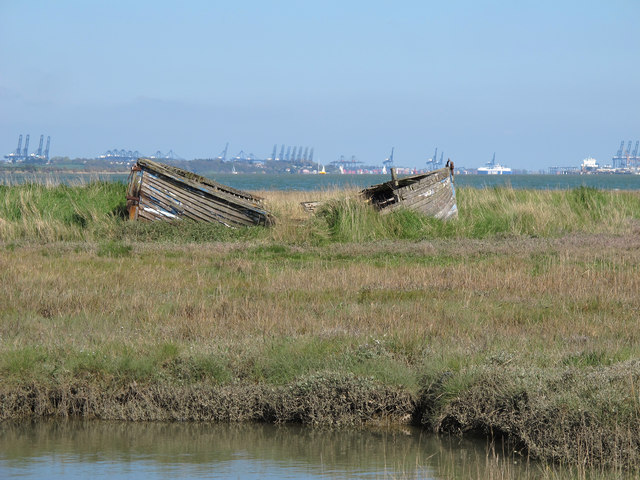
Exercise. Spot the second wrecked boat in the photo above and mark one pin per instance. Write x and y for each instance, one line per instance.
(431, 193)
(162, 192)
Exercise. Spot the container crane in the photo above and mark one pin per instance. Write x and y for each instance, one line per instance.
(18, 150)
(39, 152)
(46, 150)
(25, 152)
(223, 154)
(617, 160)
(389, 161)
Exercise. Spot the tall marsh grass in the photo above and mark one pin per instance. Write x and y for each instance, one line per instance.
(96, 212)
(37, 212)
(544, 213)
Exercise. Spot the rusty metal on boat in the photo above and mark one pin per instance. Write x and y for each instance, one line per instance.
(163, 192)
(432, 193)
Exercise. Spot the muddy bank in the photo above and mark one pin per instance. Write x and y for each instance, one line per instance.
(583, 416)
(318, 400)
(578, 416)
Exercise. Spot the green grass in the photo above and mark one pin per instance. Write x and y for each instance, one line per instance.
(113, 249)
(96, 212)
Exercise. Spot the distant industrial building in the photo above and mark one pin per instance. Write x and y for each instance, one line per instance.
(297, 155)
(125, 157)
(21, 154)
(624, 161)
(625, 158)
(435, 164)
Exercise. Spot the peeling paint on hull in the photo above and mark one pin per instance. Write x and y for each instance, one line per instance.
(432, 194)
(162, 192)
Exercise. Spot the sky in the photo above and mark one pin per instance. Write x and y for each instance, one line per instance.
(540, 83)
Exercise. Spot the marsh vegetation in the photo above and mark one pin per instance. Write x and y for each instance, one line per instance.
(518, 320)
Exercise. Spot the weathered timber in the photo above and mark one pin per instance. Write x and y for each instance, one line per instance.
(431, 193)
(162, 192)
(310, 207)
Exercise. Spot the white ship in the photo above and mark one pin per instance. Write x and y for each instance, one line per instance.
(589, 164)
(493, 168)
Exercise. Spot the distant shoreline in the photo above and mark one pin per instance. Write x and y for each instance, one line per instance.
(41, 171)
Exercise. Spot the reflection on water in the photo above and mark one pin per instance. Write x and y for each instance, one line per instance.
(79, 449)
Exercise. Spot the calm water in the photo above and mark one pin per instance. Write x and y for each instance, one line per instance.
(94, 449)
(315, 182)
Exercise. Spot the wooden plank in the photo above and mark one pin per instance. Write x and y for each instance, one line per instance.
(209, 208)
(425, 194)
(203, 207)
(150, 191)
(159, 204)
(197, 206)
(167, 202)
(405, 184)
(190, 213)
(234, 209)
(436, 191)
(167, 192)
(434, 203)
(198, 182)
(149, 211)
(311, 207)
(203, 211)
(441, 202)
(432, 194)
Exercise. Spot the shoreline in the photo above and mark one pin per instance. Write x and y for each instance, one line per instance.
(64, 172)
(498, 405)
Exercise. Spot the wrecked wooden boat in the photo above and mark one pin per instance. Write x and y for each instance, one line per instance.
(311, 207)
(431, 193)
(162, 192)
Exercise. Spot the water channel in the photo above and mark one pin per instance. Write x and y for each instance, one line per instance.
(320, 182)
(77, 449)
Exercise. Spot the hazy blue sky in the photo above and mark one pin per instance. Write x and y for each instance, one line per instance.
(539, 82)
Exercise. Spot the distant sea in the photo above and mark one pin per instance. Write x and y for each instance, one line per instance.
(329, 181)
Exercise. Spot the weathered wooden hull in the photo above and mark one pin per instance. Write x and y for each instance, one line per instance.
(162, 192)
(431, 193)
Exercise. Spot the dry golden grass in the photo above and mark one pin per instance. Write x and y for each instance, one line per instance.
(540, 300)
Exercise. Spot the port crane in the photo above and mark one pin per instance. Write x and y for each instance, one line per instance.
(388, 162)
(223, 154)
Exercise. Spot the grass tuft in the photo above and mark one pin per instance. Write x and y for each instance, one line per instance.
(114, 249)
